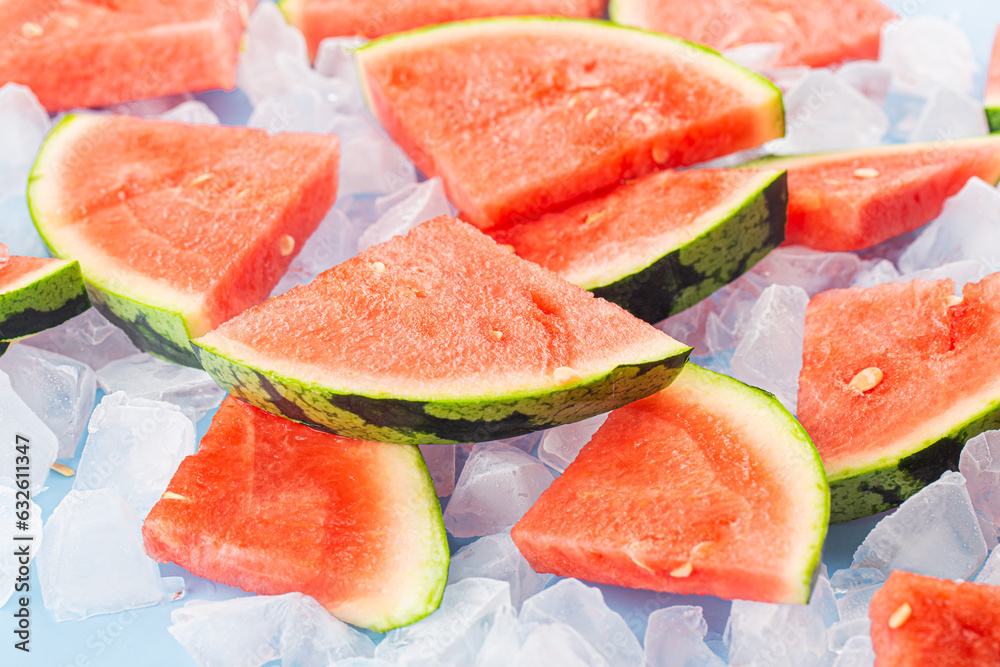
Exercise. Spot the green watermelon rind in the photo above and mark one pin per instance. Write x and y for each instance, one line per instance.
(993, 117)
(731, 245)
(47, 301)
(445, 420)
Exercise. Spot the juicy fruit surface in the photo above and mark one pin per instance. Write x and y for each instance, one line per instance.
(87, 54)
(199, 221)
(950, 624)
(20, 271)
(705, 226)
(931, 352)
(319, 19)
(993, 87)
(709, 487)
(521, 115)
(815, 33)
(444, 316)
(857, 199)
(39, 293)
(273, 507)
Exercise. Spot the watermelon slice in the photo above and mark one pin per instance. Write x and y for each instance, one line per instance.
(89, 54)
(274, 507)
(918, 620)
(709, 487)
(521, 115)
(662, 243)
(814, 33)
(440, 336)
(36, 294)
(178, 227)
(319, 19)
(857, 199)
(895, 378)
(993, 87)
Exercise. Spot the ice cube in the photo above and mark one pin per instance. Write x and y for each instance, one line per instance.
(675, 637)
(405, 209)
(19, 232)
(252, 631)
(980, 465)
(583, 608)
(560, 445)
(453, 634)
(872, 79)
(134, 446)
(839, 634)
(924, 52)
(60, 390)
(497, 486)
(335, 60)
(23, 435)
(812, 270)
(854, 588)
(882, 271)
(80, 576)
(934, 533)
(152, 107)
(563, 645)
(146, 376)
(950, 115)
(497, 557)
(758, 56)
(858, 652)
(787, 78)
(17, 537)
(24, 123)
(191, 111)
(825, 113)
(503, 642)
(379, 165)
(769, 352)
(294, 111)
(990, 572)
(89, 338)
(440, 460)
(271, 46)
(334, 242)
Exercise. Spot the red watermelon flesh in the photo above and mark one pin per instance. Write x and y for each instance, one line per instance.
(319, 19)
(857, 199)
(273, 507)
(89, 54)
(521, 115)
(993, 87)
(814, 33)
(709, 487)
(922, 621)
(19, 271)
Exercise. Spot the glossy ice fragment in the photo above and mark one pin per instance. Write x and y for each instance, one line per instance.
(560, 445)
(675, 637)
(497, 557)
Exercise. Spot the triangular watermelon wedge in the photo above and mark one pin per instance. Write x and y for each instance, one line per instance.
(274, 507)
(519, 115)
(38, 293)
(441, 336)
(178, 227)
(993, 87)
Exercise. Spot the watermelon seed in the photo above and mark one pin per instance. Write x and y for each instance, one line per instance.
(683, 571)
(63, 470)
(660, 154)
(954, 300)
(200, 179)
(508, 247)
(867, 379)
(170, 495)
(900, 616)
(379, 267)
(286, 244)
(594, 217)
(572, 101)
(497, 335)
(866, 172)
(564, 375)
(592, 114)
(30, 29)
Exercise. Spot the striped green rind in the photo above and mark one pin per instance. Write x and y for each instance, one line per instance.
(157, 331)
(687, 274)
(4, 345)
(44, 303)
(438, 421)
(993, 117)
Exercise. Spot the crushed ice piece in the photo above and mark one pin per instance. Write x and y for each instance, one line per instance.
(583, 608)
(882, 271)
(10, 515)
(145, 376)
(20, 426)
(854, 588)
(950, 115)
(526, 443)
(440, 460)
(825, 113)
(497, 557)
(561, 445)
(934, 533)
(857, 652)
(840, 633)
(497, 486)
(19, 231)
(503, 642)
(272, 46)
(252, 631)
(967, 229)
(787, 78)
(89, 338)
(452, 635)
(675, 637)
(335, 60)
(563, 645)
(134, 446)
(812, 270)
(769, 352)
(24, 123)
(990, 572)
(379, 165)
(293, 111)
(334, 241)
(404, 209)
(191, 111)
(758, 56)
(924, 52)
(60, 390)
(870, 78)
(151, 107)
(81, 577)
(980, 465)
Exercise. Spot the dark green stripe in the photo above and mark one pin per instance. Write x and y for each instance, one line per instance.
(31, 321)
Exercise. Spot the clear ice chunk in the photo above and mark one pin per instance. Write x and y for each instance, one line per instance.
(872, 79)
(882, 271)
(13, 535)
(272, 47)
(191, 111)
(404, 209)
(840, 633)
(854, 588)
(293, 111)
(980, 465)
(934, 533)
(583, 608)
(497, 557)
(812, 270)
(60, 390)
(857, 652)
(89, 338)
(146, 376)
(452, 635)
(335, 61)
(24, 123)
(379, 165)
(950, 115)
(563, 645)
(21, 427)
(440, 460)
(675, 637)
(758, 56)
(560, 445)
(134, 446)
(990, 572)
(497, 486)
(81, 577)
(19, 232)
(503, 642)
(924, 52)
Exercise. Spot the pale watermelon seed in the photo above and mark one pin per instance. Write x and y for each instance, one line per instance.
(379, 267)
(683, 571)
(867, 379)
(592, 114)
(30, 29)
(564, 375)
(866, 172)
(63, 470)
(170, 495)
(497, 335)
(286, 244)
(900, 616)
